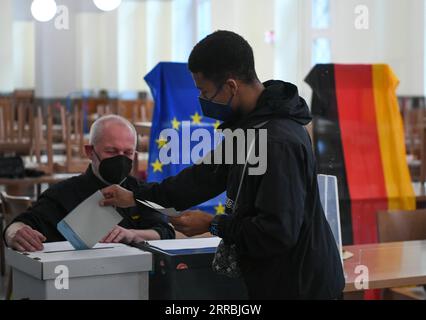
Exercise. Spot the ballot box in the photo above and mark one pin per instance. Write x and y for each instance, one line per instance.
(183, 271)
(59, 272)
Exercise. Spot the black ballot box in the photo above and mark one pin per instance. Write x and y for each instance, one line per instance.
(181, 273)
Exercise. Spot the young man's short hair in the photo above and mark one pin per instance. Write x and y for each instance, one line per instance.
(222, 55)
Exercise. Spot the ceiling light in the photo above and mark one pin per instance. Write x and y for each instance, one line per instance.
(107, 5)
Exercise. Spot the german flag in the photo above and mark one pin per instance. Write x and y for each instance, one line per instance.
(359, 138)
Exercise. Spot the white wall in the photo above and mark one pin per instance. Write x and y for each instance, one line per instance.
(6, 46)
(88, 51)
(17, 50)
(291, 51)
(158, 32)
(115, 50)
(55, 58)
(396, 36)
(251, 19)
(132, 54)
(23, 54)
(108, 50)
(184, 29)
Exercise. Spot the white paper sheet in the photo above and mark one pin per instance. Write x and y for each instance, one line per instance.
(170, 212)
(88, 223)
(179, 244)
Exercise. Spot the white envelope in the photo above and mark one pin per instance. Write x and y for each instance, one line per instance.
(88, 223)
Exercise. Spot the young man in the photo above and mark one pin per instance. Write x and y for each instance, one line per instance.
(112, 147)
(284, 245)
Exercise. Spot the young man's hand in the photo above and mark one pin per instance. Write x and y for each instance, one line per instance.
(22, 237)
(117, 196)
(192, 223)
(119, 234)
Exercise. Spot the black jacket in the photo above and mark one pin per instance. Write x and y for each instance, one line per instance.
(286, 248)
(56, 202)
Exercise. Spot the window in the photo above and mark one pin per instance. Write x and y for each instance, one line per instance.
(320, 14)
(321, 22)
(321, 51)
(203, 18)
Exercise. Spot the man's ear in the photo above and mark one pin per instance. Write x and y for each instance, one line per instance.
(233, 85)
(88, 150)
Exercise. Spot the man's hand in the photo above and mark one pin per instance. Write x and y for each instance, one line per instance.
(117, 196)
(21, 237)
(119, 234)
(192, 223)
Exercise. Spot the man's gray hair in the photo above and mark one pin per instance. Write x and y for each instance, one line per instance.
(98, 126)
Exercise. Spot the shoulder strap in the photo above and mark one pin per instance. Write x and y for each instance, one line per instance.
(245, 166)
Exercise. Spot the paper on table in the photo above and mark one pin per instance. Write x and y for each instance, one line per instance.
(88, 223)
(170, 212)
(179, 244)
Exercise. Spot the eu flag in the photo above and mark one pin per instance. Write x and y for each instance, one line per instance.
(178, 111)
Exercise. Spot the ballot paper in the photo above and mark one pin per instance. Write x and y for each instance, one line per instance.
(170, 212)
(185, 244)
(88, 223)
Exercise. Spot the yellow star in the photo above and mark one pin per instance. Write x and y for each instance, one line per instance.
(175, 123)
(196, 118)
(220, 209)
(161, 142)
(216, 124)
(157, 166)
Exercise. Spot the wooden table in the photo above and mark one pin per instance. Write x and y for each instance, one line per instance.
(389, 265)
(19, 187)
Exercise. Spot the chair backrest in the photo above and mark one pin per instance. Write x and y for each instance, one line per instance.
(329, 197)
(6, 119)
(12, 206)
(24, 95)
(396, 226)
(16, 126)
(43, 139)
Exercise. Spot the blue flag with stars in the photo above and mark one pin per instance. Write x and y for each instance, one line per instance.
(178, 111)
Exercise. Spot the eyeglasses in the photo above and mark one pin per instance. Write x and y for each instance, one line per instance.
(214, 96)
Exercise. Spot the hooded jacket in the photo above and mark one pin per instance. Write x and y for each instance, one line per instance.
(285, 246)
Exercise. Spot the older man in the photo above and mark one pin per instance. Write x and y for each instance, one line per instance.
(111, 150)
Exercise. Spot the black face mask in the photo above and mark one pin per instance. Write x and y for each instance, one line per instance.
(114, 170)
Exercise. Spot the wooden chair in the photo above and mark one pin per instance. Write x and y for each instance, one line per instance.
(73, 138)
(135, 110)
(413, 110)
(97, 107)
(395, 226)
(23, 100)
(24, 96)
(43, 140)
(12, 206)
(16, 120)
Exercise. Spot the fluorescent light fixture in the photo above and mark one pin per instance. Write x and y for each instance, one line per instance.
(107, 5)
